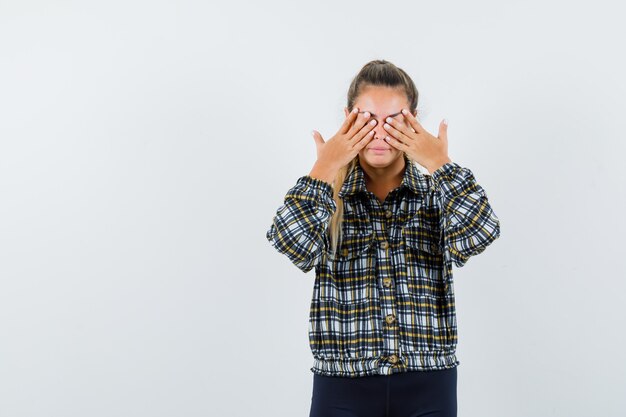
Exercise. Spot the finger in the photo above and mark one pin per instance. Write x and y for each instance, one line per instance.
(408, 116)
(365, 131)
(396, 143)
(398, 129)
(395, 133)
(317, 137)
(349, 120)
(362, 120)
(443, 130)
(361, 142)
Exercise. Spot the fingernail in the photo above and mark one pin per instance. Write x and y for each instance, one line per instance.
(355, 110)
(445, 122)
(404, 111)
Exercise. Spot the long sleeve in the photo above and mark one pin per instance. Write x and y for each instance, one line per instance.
(299, 228)
(468, 222)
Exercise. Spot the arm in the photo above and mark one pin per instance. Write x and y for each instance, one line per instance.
(299, 228)
(469, 224)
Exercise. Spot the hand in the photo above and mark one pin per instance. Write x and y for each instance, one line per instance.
(353, 135)
(429, 151)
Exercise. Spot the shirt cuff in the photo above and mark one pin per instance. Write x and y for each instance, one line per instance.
(318, 192)
(308, 183)
(446, 170)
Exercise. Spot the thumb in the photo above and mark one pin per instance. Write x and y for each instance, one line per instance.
(443, 130)
(317, 137)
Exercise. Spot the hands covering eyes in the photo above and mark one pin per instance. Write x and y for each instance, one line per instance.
(410, 137)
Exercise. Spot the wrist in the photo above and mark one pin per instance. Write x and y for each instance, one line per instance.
(436, 165)
(323, 172)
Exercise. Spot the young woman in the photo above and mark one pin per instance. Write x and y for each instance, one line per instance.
(382, 237)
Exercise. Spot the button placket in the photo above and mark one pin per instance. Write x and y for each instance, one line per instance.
(381, 222)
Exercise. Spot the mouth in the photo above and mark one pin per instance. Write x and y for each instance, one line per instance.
(379, 149)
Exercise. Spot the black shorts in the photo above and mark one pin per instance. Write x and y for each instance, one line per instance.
(413, 393)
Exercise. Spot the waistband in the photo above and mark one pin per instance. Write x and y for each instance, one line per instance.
(409, 361)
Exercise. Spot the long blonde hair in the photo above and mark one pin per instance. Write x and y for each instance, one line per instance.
(375, 73)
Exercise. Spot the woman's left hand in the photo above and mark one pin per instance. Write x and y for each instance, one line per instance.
(429, 151)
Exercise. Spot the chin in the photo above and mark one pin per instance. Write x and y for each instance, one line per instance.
(379, 160)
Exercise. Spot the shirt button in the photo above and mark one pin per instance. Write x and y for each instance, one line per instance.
(387, 282)
(390, 318)
(387, 213)
(393, 358)
(384, 244)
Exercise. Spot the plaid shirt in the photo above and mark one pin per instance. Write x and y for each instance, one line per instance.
(385, 302)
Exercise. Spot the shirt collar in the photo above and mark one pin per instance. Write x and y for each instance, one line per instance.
(413, 179)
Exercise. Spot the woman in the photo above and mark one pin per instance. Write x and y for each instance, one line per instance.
(382, 237)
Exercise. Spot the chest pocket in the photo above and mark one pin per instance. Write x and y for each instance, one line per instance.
(423, 236)
(353, 267)
(424, 257)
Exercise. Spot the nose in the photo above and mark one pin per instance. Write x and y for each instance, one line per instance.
(379, 130)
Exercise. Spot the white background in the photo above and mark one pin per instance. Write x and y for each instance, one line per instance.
(145, 146)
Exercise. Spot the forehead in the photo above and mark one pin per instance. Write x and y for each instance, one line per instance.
(381, 101)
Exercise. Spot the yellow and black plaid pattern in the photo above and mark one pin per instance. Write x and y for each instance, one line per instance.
(384, 302)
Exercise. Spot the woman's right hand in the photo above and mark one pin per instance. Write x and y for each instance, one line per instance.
(353, 135)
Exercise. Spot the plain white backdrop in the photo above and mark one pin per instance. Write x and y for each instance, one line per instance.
(144, 149)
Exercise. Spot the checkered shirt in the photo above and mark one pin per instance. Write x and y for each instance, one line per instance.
(384, 302)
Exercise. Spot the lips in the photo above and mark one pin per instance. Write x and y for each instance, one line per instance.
(380, 149)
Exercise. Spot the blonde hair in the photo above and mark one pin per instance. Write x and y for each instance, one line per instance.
(378, 72)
